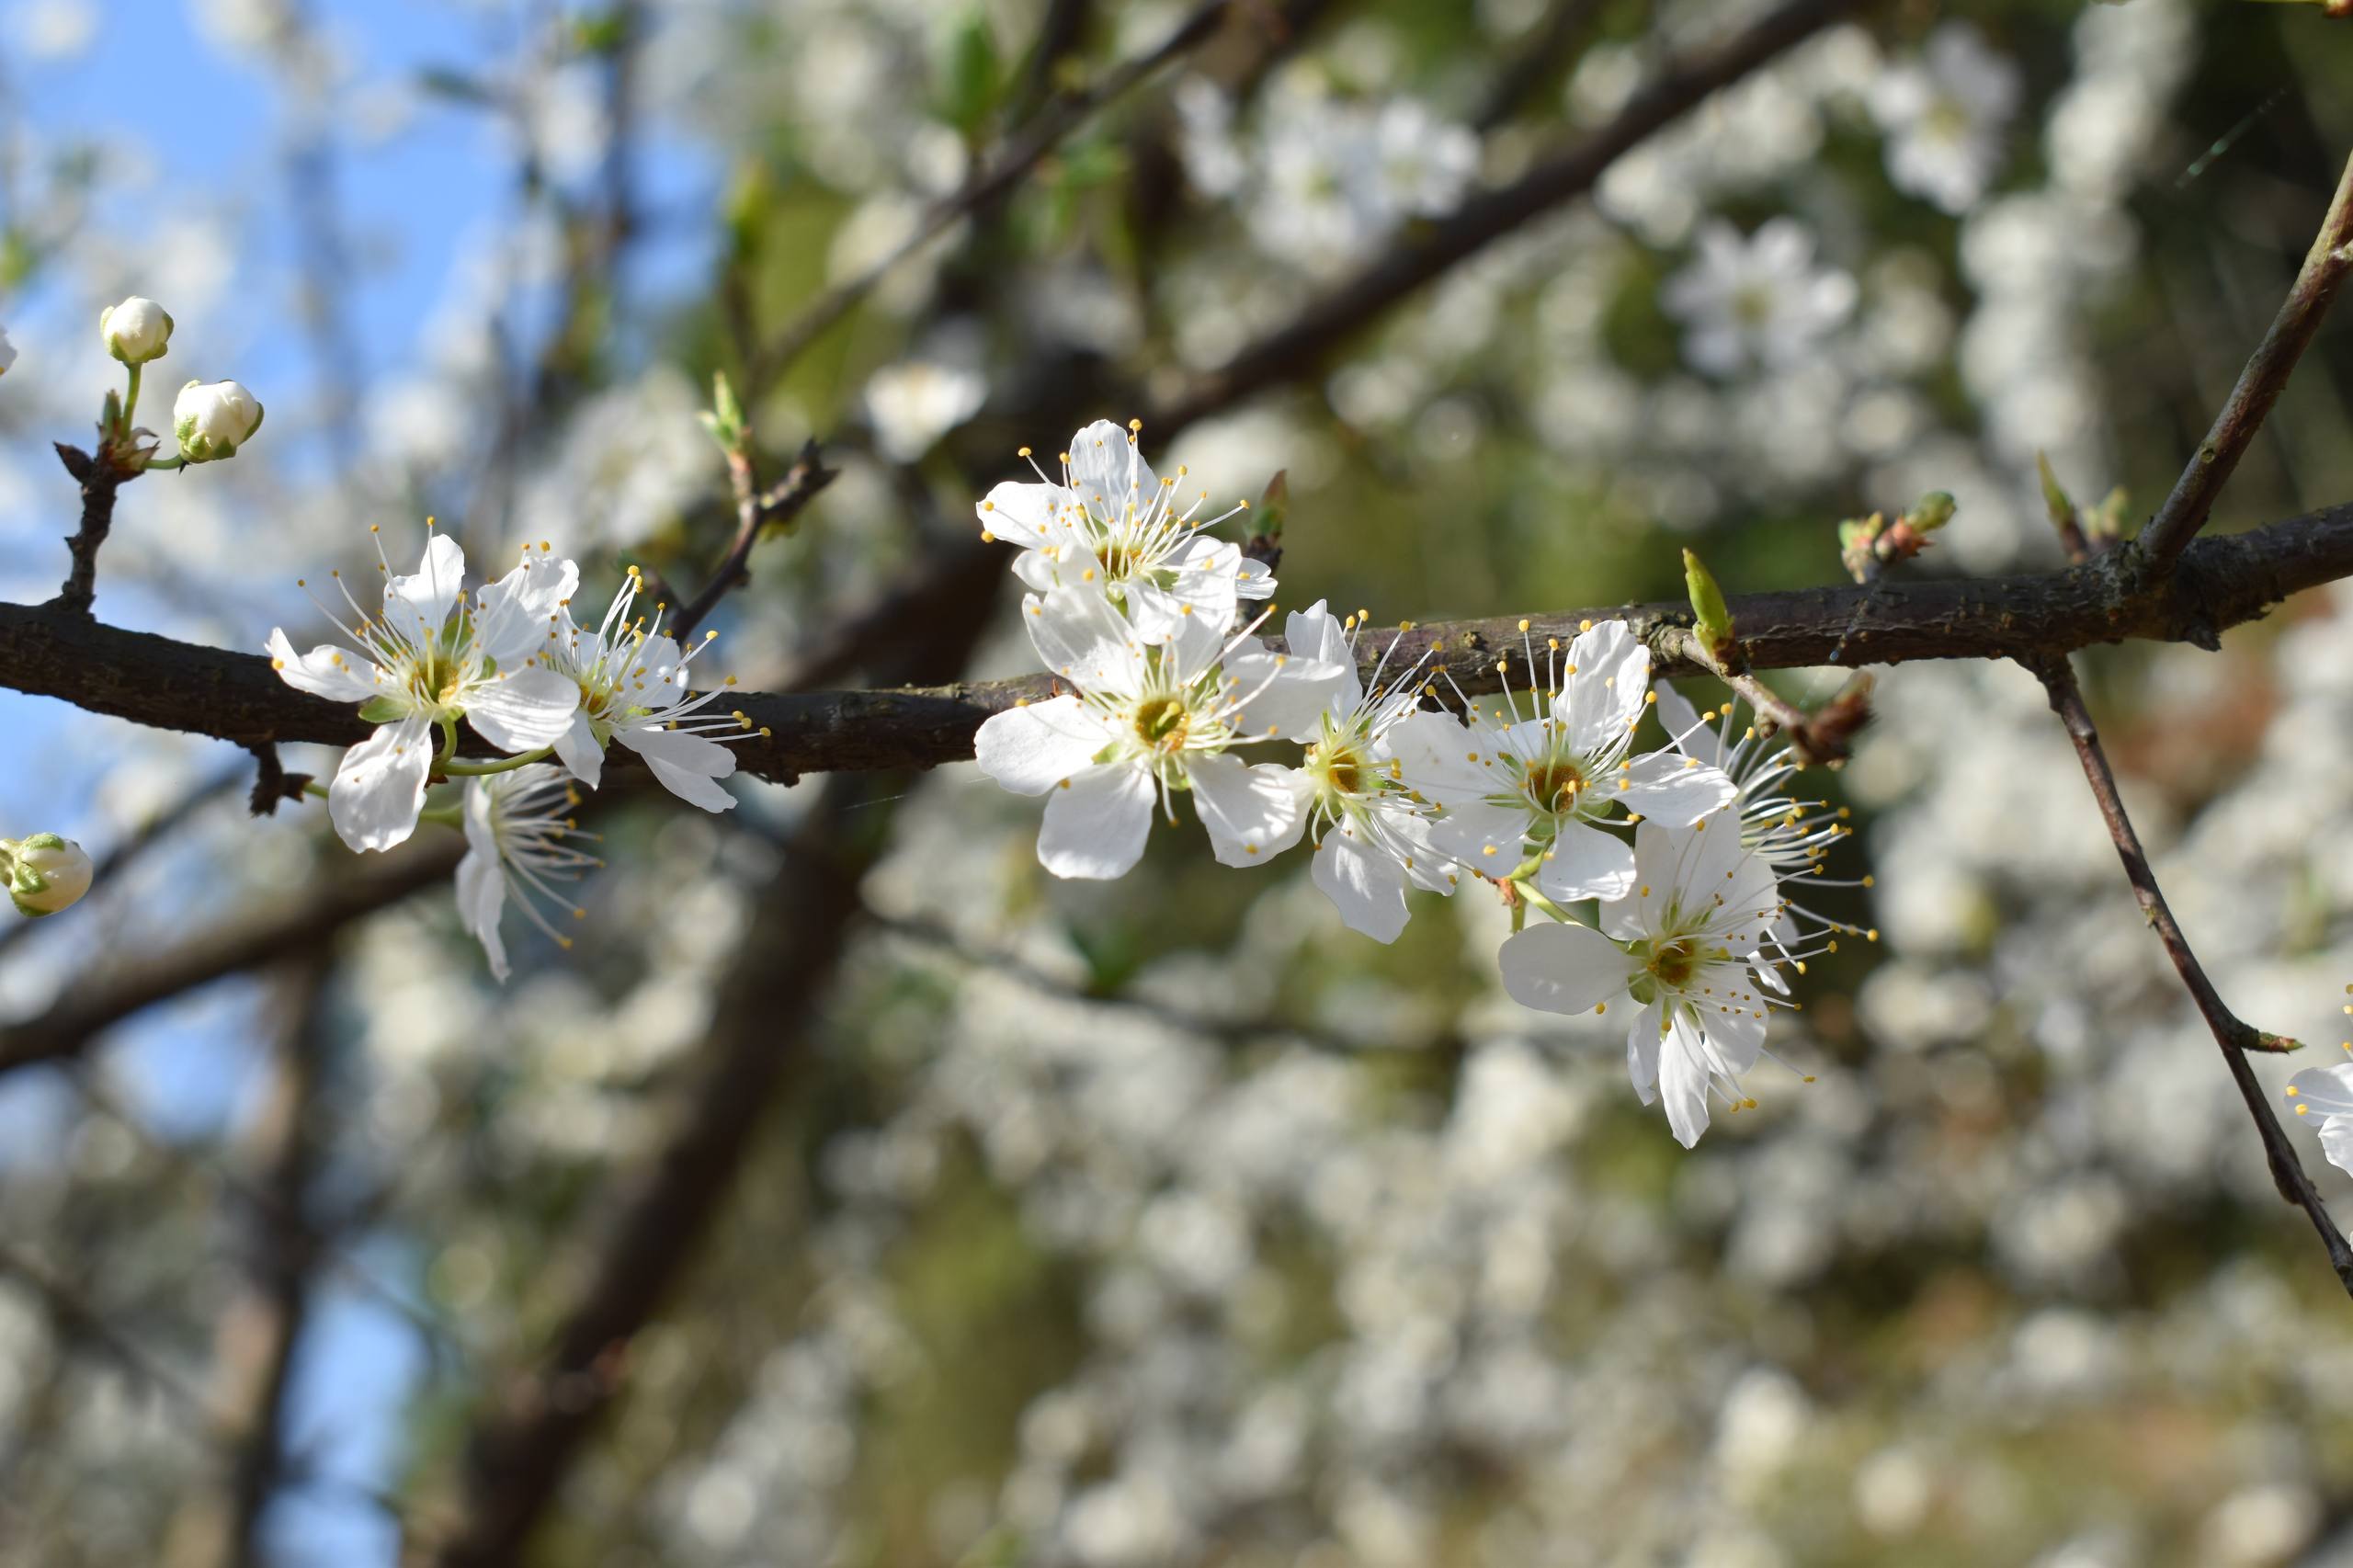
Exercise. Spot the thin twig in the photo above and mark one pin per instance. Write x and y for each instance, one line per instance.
(2259, 385)
(2232, 1036)
(985, 185)
(757, 511)
(99, 479)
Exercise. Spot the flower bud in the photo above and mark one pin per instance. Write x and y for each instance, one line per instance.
(136, 331)
(212, 419)
(45, 873)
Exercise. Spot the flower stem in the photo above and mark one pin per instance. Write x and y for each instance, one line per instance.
(312, 786)
(130, 403)
(1527, 891)
(504, 765)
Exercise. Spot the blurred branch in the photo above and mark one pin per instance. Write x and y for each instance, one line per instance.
(283, 927)
(2220, 583)
(2234, 1037)
(1560, 37)
(523, 1445)
(984, 186)
(757, 511)
(256, 1336)
(1295, 351)
(145, 836)
(2259, 386)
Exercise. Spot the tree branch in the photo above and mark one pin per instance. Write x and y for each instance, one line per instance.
(2220, 583)
(282, 928)
(1295, 350)
(2259, 385)
(755, 511)
(2234, 1037)
(99, 479)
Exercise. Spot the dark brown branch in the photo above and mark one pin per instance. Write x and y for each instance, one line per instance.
(284, 928)
(99, 479)
(2259, 385)
(1295, 350)
(2221, 581)
(985, 185)
(757, 511)
(2234, 1037)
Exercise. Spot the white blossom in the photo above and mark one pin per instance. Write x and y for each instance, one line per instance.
(2327, 1093)
(1759, 302)
(1682, 945)
(44, 873)
(211, 420)
(1150, 721)
(1945, 116)
(632, 681)
(1542, 785)
(1419, 166)
(135, 331)
(1371, 837)
(517, 840)
(913, 403)
(430, 658)
(1112, 527)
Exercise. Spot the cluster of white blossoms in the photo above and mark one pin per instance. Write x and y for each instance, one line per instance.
(1540, 792)
(511, 661)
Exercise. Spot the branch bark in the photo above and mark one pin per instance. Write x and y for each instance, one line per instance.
(2220, 582)
(2233, 1036)
(756, 510)
(2259, 385)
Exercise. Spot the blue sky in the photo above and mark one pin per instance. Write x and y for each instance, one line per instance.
(213, 122)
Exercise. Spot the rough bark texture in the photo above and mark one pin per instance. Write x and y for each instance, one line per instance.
(2220, 583)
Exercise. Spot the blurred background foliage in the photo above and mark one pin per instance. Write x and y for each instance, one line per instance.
(1167, 1222)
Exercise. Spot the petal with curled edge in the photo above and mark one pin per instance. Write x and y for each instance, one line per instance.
(335, 674)
(379, 788)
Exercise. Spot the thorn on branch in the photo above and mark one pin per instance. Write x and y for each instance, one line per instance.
(272, 783)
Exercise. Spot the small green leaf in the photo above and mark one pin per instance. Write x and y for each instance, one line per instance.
(379, 710)
(1931, 511)
(970, 77)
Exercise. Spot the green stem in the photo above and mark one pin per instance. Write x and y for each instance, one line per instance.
(1527, 891)
(156, 465)
(448, 816)
(504, 765)
(130, 403)
(312, 786)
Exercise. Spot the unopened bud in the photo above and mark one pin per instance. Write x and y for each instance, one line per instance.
(1711, 618)
(45, 873)
(135, 331)
(212, 419)
(1931, 511)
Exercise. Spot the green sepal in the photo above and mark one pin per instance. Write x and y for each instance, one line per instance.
(379, 710)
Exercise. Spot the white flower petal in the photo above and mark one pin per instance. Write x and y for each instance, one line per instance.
(2336, 1142)
(1080, 637)
(1365, 885)
(684, 764)
(529, 708)
(1439, 757)
(1674, 789)
(1252, 813)
(1285, 694)
(325, 671)
(1564, 968)
(522, 611)
(1030, 750)
(1491, 840)
(1585, 861)
(379, 786)
(1690, 734)
(482, 882)
(1606, 696)
(1026, 515)
(1683, 1079)
(419, 604)
(1109, 470)
(2327, 1090)
(580, 751)
(1097, 824)
(1642, 1052)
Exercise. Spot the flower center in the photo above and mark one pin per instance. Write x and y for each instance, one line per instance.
(1161, 722)
(1752, 306)
(1553, 783)
(1338, 764)
(1674, 963)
